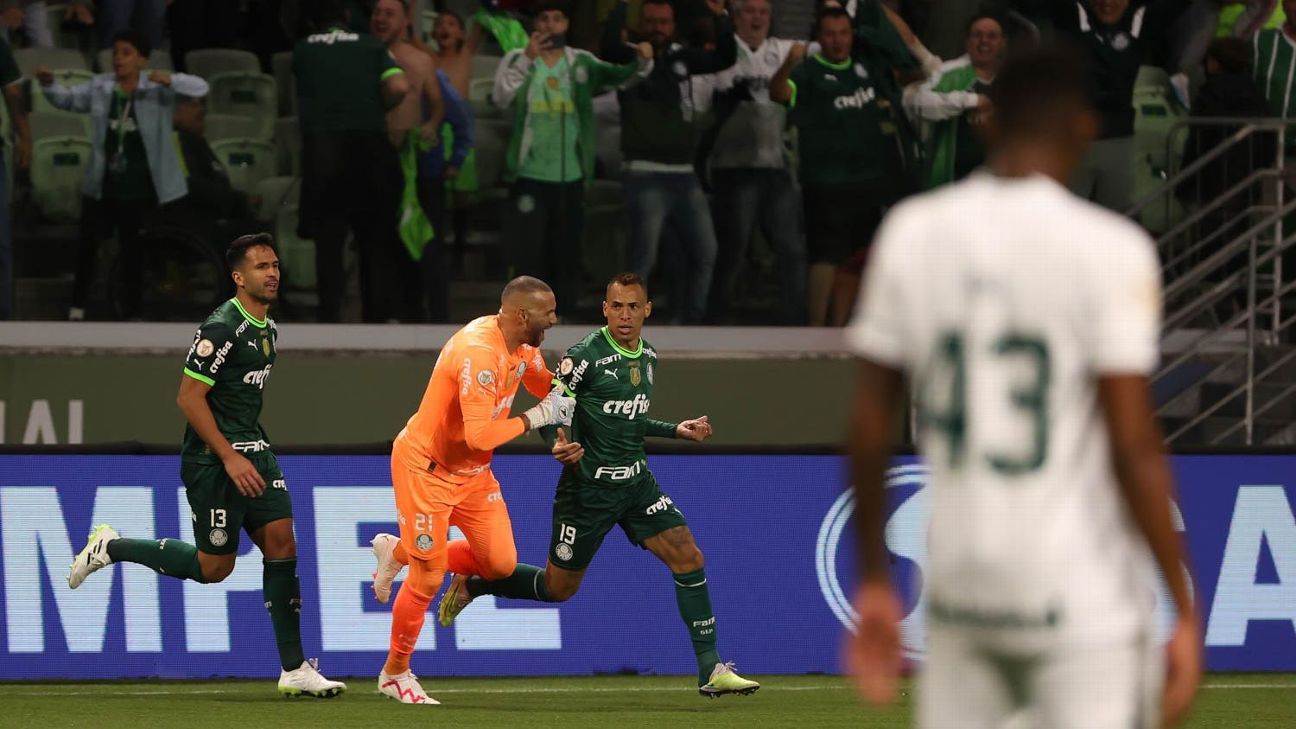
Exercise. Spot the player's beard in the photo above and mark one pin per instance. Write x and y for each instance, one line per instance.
(535, 336)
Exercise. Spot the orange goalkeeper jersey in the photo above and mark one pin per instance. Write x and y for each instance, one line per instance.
(464, 415)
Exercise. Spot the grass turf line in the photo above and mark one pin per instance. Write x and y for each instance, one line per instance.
(1241, 701)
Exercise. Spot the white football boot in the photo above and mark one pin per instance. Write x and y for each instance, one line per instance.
(405, 688)
(305, 680)
(388, 567)
(93, 557)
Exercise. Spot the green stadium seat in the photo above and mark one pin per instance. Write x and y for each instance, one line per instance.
(480, 89)
(253, 95)
(230, 126)
(281, 65)
(158, 60)
(297, 255)
(46, 124)
(208, 62)
(58, 168)
(30, 59)
(248, 161)
(288, 143)
(484, 66)
(490, 139)
(270, 195)
(69, 77)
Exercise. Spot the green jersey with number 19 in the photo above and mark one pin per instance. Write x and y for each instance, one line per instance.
(613, 388)
(1004, 301)
(233, 352)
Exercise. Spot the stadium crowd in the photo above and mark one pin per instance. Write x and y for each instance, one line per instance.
(678, 139)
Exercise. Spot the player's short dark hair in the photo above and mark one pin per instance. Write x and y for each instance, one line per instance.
(825, 13)
(627, 279)
(523, 285)
(667, 3)
(140, 43)
(1039, 90)
(1232, 54)
(984, 15)
(545, 6)
(237, 251)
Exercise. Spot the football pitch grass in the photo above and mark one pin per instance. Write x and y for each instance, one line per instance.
(1232, 701)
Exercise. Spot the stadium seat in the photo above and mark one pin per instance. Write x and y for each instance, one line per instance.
(253, 95)
(270, 194)
(158, 60)
(229, 126)
(429, 22)
(248, 161)
(1155, 114)
(64, 37)
(46, 124)
(296, 254)
(479, 90)
(484, 66)
(68, 77)
(58, 167)
(210, 61)
(288, 144)
(30, 59)
(281, 65)
(491, 137)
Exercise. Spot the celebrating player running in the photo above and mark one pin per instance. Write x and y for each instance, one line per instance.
(441, 465)
(610, 373)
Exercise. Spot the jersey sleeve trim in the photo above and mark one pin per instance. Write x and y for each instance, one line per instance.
(390, 72)
(566, 390)
(201, 378)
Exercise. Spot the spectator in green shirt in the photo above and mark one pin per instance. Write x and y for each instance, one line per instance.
(550, 88)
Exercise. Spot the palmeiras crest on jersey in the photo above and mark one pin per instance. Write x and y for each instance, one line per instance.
(423, 542)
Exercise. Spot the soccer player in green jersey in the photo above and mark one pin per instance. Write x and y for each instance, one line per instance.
(231, 477)
(606, 482)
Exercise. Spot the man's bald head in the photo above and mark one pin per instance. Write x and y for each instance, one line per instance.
(517, 291)
(527, 309)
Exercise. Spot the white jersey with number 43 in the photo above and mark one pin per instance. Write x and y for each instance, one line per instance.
(1003, 301)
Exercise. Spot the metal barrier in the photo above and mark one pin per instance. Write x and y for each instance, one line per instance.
(1222, 265)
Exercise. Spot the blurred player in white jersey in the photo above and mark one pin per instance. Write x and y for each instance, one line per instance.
(1025, 322)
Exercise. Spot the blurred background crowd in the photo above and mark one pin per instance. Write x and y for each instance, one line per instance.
(409, 155)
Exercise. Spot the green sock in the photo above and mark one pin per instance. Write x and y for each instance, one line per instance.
(283, 599)
(526, 583)
(170, 557)
(695, 607)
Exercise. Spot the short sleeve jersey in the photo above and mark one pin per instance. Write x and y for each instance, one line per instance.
(232, 352)
(840, 125)
(9, 73)
(613, 387)
(475, 378)
(1004, 329)
(338, 76)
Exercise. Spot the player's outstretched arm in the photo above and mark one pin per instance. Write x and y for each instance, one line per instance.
(1143, 472)
(697, 429)
(192, 400)
(874, 655)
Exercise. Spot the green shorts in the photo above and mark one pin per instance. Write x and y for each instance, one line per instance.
(220, 511)
(584, 512)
